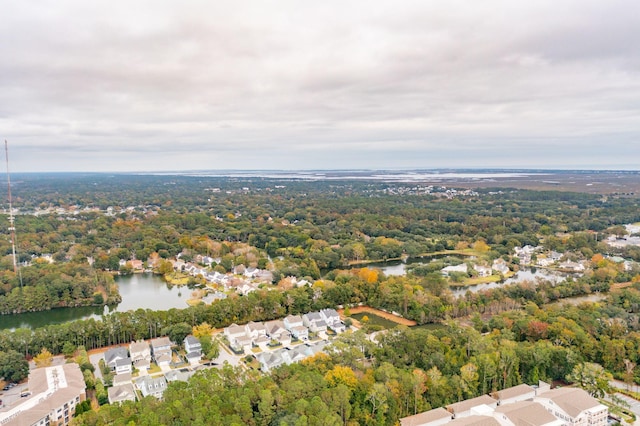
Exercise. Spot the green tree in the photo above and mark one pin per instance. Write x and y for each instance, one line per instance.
(13, 366)
(592, 378)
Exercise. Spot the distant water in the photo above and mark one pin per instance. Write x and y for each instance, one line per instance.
(380, 175)
(138, 291)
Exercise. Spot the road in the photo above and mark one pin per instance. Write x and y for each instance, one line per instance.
(634, 405)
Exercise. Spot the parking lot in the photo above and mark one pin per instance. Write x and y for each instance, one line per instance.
(11, 395)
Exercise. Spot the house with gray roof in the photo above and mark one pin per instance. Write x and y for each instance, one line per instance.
(154, 386)
(332, 319)
(270, 360)
(121, 393)
(112, 356)
(314, 321)
(123, 366)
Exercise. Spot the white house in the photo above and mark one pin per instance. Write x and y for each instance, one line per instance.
(314, 321)
(192, 344)
(500, 266)
(123, 366)
(154, 386)
(255, 329)
(482, 271)
(161, 350)
(140, 354)
(234, 331)
(462, 268)
(193, 349)
(332, 319)
(113, 355)
(292, 321)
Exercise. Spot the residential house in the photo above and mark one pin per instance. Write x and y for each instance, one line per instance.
(461, 268)
(121, 393)
(140, 354)
(122, 379)
(435, 417)
(255, 329)
(571, 266)
(192, 344)
(270, 360)
(472, 406)
(123, 366)
(314, 321)
(277, 331)
(525, 413)
(161, 350)
(332, 318)
(274, 327)
(178, 375)
(500, 266)
(193, 350)
(112, 356)
(154, 386)
(246, 288)
(292, 321)
(482, 271)
(234, 331)
(296, 327)
(295, 354)
(574, 406)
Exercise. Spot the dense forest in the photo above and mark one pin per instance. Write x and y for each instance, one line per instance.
(87, 224)
(74, 231)
(408, 370)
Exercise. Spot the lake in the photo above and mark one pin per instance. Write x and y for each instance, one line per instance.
(138, 291)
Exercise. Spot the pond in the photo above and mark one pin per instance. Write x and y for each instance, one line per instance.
(138, 291)
(525, 274)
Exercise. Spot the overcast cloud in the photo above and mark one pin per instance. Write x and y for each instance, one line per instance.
(184, 85)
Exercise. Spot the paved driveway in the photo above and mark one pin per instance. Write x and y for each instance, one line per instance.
(95, 359)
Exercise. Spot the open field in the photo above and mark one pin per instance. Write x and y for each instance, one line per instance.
(624, 183)
(383, 314)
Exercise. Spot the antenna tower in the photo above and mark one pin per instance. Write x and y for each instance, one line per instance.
(12, 228)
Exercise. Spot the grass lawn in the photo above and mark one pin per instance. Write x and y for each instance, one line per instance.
(482, 280)
(374, 319)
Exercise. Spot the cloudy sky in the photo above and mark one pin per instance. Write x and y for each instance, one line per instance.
(185, 85)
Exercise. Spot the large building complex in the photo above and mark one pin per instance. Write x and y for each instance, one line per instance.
(517, 406)
(55, 392)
